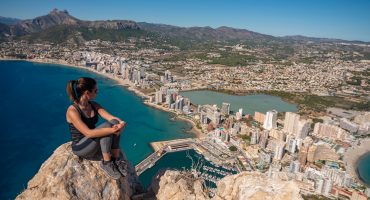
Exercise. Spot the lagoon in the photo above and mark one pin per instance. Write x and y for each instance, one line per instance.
(249, 103)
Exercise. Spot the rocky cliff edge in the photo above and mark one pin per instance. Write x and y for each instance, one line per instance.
(174, 185)
(66, 176)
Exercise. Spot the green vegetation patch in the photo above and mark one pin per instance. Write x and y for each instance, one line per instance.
(314, 197)
(62, 33)
(233, 148)
(319, 103)
(56, 34)
(112, 34)
(246, 138)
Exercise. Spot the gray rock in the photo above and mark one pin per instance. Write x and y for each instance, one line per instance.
(66, 176)
(175, 185)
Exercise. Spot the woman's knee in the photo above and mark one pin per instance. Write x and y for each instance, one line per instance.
(114, 121)
(108, 124)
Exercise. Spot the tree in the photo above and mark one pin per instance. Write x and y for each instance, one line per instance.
(233, 148)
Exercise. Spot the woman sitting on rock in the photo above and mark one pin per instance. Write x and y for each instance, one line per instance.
(88, 140)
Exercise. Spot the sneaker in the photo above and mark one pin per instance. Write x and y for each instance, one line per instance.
(121, 166)
(110, 170)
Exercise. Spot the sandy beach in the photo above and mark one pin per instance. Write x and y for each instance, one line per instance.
(196, 131)
(352, 156)
(125, 83)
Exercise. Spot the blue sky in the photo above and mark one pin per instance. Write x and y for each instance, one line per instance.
(343, 19)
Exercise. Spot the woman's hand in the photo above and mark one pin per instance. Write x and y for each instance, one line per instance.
(118, 119)
(119, 127)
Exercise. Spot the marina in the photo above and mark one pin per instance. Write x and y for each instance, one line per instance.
(210, 150)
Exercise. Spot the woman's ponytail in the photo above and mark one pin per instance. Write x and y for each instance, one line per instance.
(71, 90)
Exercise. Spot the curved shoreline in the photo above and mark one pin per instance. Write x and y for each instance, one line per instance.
(194, 130)
(353, 156)
(124, 83)
(358, 172)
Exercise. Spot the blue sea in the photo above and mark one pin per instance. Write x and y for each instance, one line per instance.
(33, 105)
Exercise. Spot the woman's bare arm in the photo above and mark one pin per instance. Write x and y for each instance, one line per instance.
(75, 118)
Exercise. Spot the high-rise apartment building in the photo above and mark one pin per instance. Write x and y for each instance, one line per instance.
(270, 120)
(329, 131)
(291, 122)
(279, 150)
(259, 117)
(303, 128)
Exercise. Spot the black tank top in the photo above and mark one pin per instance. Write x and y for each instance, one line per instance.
(89, 121)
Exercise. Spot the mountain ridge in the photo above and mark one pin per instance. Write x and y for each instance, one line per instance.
(9, 20)
(223, 33)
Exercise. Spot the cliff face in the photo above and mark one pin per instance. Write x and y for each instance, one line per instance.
(254, 185)
(175, 185)
(65, 176)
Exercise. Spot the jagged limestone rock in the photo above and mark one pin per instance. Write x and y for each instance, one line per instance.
(254, 185)
(66, 176)
(174, 185)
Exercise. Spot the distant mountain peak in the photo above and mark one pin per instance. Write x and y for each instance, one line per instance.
(58, 17)
(225, 27)
(57, 11)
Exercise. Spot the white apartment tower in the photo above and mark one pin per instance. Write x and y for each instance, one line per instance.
(291, 123)
(303, 128)
(279, 150)
(158, 97)
(270, 120)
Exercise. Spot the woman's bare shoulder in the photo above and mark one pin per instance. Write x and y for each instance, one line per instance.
(71, 109)
(71, 113)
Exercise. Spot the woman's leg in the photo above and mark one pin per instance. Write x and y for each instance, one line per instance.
(107, 142)
(86, 147)
(115, 146)
(118, 158)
